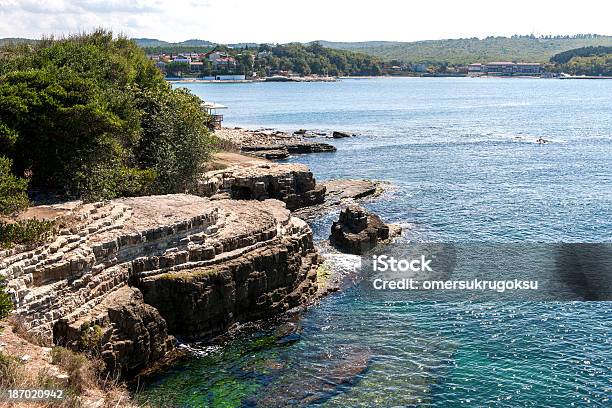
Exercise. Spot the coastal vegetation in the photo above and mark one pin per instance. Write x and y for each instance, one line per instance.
(90, 117)
(315, 59)
(5, 302)
(25, 232)
(593, 61)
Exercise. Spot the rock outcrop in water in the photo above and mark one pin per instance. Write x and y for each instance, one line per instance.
(293, 184)
(270, 144)
(123, 276)
(339, 193)
(358, 231)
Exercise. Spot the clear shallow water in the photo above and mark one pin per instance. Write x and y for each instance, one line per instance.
(462, 157)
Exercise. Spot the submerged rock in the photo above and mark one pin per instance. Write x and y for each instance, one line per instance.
(357, 231)
(307, 385)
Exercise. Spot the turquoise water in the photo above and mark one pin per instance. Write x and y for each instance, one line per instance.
(462, 157)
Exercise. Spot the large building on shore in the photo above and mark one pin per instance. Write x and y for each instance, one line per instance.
(505, 69)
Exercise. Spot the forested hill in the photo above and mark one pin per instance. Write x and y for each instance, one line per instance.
(593, 61)
(566, 56)
(468, 50)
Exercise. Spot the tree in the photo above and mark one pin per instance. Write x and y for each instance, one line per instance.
(175, 141)
(73, 113)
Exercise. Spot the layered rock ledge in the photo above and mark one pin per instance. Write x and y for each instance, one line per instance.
(126, 275)
(293, 184)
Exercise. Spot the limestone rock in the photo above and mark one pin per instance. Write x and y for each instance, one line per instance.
(338, 193)
(292, 183)
(132, 272)
(358, 231)
(268, 142)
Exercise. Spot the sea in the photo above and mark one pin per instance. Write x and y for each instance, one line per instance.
(462, 165)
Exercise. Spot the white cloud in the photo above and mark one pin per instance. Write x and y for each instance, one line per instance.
(284, 21)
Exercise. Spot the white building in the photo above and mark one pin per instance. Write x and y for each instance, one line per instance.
(475, 69)
(230, 77)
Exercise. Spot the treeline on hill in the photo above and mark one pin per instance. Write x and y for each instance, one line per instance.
(463, 51)
(315, 59)
(595, 61)
(90, 117)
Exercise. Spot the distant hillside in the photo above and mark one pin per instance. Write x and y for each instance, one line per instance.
(566, 56)
(454, 52)
(468, 50)
(153, 42)
(15, 40)
(150, 42)
(593, 61)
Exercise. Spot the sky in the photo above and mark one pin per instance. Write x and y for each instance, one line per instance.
(281, 21)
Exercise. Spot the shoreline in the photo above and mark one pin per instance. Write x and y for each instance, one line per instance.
(342, 78)
(253, 80)
(143, 284)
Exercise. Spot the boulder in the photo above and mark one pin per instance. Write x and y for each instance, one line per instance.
(272, 154)
(340, 135)
(357, 231)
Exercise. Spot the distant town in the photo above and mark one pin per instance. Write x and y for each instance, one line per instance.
(297, 62)
(518, 56)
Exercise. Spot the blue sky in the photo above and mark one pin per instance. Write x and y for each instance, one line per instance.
(229, 21)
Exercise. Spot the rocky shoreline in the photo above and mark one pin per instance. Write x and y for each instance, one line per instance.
(128, 277)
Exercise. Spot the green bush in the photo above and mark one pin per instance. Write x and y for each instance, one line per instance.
(5, 302)
(175, 141)
(13, 196)
(74, 113)
(25, 232)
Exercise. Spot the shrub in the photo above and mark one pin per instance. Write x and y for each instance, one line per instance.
(5, 302)
(11, 371)
(82, 372)
(90, 339)
(25, 232)
(13, 195)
